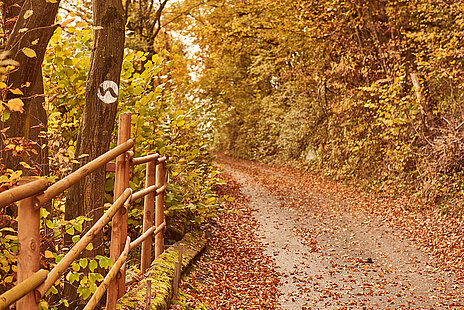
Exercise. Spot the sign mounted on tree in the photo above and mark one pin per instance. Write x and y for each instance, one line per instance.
(108, 92)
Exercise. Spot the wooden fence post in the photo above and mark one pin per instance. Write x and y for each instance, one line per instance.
(159, 214)
(148, 296)
(178, 269)
(148, 215)
(119, 225)
(29, 247)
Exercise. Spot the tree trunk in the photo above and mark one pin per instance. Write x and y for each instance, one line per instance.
(28, 77)
(97, 124)
(429, 120)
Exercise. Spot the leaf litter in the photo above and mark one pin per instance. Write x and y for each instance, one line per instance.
(234, 272)
(332, 247)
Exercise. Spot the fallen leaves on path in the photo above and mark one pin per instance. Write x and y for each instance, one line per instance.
(439, 235)
(352, 240)
(331, 206)
(233, 273)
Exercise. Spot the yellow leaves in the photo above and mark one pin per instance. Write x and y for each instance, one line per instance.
(28, 14)
(15, 176)
(25, 165)
(15, 104)
(48, 254)
(10, 68)
(16, 91)
(29, 52)
(81, 24)
(43, 303)
(9, 279)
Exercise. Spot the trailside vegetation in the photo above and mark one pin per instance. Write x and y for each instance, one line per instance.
(370, 91)
(163, 121)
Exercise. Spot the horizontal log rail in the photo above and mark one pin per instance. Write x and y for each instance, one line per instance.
(82, 172)
(111, 166)
(93, 302)
(153, 231)
(152, 189)
(37, 192)
(67, 260)
(160, 190)
(144, 159)
(140, 194)
(23, 191)
(22, 289)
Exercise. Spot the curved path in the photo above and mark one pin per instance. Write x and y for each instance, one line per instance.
(332, 255)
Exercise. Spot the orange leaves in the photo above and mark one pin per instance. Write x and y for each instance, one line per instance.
(15, 104)
(234, 273)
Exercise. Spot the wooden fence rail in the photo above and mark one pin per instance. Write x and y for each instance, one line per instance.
(32, 283)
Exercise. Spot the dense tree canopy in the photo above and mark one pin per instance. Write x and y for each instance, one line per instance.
(371, 90)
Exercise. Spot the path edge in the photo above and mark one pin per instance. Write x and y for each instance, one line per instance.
(161, 273)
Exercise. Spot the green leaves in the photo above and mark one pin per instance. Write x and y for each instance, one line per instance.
(83, 263)
(93, 265)
(104, 262)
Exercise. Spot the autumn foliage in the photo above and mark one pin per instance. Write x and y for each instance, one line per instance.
(364, 90)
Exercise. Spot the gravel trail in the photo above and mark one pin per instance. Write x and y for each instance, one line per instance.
(333, 256)
(294, 241)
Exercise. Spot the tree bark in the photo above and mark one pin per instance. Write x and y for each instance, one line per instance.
(34, 32)
(97, 124)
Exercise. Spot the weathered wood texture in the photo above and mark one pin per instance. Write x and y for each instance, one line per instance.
(22, 192)
(23, 288)
(119, 228)
(159, 214)
(148, 216)
(29, 248)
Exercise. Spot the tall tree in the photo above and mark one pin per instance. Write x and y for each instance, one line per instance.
(101, 102)
(98, 119)
(34, 25)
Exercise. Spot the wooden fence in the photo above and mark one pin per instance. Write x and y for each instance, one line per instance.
(32, 283)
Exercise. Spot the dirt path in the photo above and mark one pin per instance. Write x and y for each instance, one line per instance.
(333, 254)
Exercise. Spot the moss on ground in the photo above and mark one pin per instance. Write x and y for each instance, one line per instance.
(161, 274)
